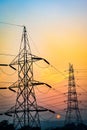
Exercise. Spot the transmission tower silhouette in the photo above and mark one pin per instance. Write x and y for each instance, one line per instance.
(72, 113)
(26, 111)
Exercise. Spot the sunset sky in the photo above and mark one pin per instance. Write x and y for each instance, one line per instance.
(57, 31)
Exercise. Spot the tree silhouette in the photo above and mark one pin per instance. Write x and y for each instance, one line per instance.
(4, 125)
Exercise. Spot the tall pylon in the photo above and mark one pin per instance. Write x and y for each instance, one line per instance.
(26, 111)
(72, 113)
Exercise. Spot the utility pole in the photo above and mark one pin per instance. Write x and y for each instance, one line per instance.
(26, 111)
(72, 113)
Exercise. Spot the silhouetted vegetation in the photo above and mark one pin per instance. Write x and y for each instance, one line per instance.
(29, 128)
(72, 127)
(4, 125)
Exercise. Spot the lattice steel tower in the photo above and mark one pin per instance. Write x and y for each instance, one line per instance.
(26, 111)
(72, 113)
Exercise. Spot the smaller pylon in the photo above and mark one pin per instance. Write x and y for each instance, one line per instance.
(72, 113)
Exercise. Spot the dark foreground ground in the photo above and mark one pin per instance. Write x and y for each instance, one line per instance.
(4, 125)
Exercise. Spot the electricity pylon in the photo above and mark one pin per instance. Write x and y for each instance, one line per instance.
(26, 111)
(72, 113)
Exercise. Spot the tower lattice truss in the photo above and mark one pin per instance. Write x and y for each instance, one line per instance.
(72, 113)
(26, 111)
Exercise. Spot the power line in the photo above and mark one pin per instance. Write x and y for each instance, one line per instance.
(59, 71)
(7, 54)
(6, 82)
(34, 44)
(8, 73)
(55, 99)
(82, 88)
(52, 97)
(42, 91)
(12, 24)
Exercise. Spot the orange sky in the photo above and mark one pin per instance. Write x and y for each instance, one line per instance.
(58, 30)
